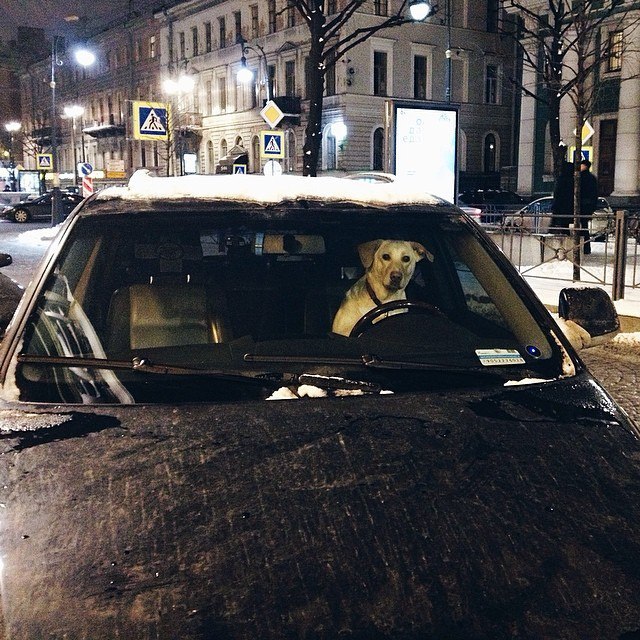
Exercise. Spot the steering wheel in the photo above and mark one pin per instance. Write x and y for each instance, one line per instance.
(366, 322)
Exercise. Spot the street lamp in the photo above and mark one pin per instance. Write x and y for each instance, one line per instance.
(83, 58)
(245, 74)
(177, 88)
(12, 128)
(421, 9)
(74, 111)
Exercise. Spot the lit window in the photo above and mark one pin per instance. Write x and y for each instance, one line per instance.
(614, 57)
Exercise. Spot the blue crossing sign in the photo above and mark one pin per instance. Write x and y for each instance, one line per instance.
(272, 144)
(150, 121)
(44, 161)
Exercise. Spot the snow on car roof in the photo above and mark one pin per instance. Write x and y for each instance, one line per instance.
(268, 189)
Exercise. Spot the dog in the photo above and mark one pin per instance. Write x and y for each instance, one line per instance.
(389, 267)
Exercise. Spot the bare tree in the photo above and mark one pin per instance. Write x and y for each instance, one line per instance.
(330, 40)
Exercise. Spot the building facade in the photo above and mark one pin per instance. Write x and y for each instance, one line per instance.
(455, 57)
(614, 147)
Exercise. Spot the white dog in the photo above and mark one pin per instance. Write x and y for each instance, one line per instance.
(389, 266)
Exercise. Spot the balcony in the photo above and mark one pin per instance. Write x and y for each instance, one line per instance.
(291, 107)
(108, 130)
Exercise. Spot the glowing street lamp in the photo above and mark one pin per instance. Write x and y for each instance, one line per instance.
(74, 111)
(84, 58)
(245, 75)
(12, 128)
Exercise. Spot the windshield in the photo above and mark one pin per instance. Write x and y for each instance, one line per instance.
(271, 297)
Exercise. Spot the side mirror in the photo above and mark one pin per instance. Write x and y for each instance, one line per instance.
(5, 259)
(592, 310)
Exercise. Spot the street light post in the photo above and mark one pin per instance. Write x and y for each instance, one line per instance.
(177, 89)
(73, 111)
(84, 58)
(56, 199)
(12, 128)
(245, 74)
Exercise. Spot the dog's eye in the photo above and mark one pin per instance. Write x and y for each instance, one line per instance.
(406, 259)
(386, 256)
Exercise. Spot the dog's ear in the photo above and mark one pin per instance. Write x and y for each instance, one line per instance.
(367, 250)
(422, 252)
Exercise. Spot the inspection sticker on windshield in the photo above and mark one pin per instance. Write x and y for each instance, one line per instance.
(493, 357)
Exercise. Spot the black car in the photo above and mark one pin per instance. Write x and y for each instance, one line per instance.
(40, 208)
(494, 203)
(190, 451)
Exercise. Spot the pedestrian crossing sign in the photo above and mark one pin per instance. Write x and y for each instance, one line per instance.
(272, 144)
(151, 121)
(44, 161)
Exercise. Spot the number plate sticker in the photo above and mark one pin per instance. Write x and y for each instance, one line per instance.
(495, 357)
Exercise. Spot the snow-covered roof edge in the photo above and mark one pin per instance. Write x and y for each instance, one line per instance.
(269, 189)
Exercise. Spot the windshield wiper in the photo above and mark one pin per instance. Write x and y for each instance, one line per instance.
(269, 379)
(371, 361)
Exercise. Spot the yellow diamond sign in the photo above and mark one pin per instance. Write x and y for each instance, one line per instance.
(271, 114)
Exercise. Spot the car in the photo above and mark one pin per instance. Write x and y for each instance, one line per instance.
(190, 451)
(374, 177)
(536, 216)
(39, 208)
(493, 203)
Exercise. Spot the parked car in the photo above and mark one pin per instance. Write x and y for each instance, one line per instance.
(190, 450)
(536, 216)
(493, 203)
(373, 177)
(40, 208)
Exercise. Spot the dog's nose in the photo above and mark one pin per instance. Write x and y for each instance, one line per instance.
(395, 277)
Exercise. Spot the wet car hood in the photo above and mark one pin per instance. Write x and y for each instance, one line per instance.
(486, 515)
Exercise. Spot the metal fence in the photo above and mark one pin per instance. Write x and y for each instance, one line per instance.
(606, 252)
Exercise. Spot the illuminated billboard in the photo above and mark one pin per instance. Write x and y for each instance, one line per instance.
(425, 142)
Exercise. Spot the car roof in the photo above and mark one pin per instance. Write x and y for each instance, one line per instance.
(261, 190)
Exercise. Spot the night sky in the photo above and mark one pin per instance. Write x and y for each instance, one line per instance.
(50, 14)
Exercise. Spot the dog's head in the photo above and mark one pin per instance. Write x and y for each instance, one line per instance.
(391, 263)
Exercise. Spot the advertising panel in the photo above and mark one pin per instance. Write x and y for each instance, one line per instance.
(426, 143)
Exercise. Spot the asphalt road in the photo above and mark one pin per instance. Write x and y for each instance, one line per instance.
(617, 367)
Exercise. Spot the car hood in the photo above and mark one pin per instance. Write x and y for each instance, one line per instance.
(478, 515)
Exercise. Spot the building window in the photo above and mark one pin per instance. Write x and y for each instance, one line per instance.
(222, 32)
(379, 73)
(208, 45)
(169, 43)
(331, 148)
(138, 51)
(491, 85)
(330, 74)
(183, 46)
(254, 21)
(223, 148)
(332, 7)
(492, 16)
(420, 77)
(143, 155)
(490, 153)
(194, 40)
(290, 78)
(381, 7)
(291, 14)
(272, 16)
(208, 97)
(378, 150)
(271, 79)
(237, 19)
(614, 54)
(211, 167)
(222, 93)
